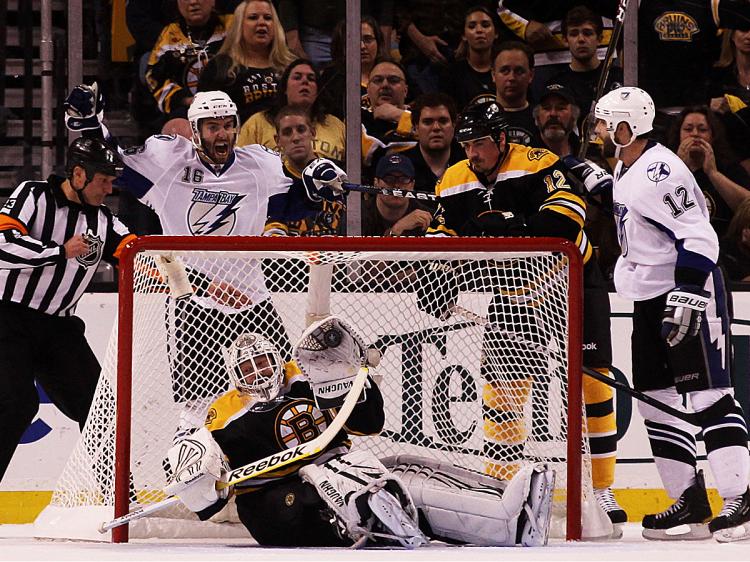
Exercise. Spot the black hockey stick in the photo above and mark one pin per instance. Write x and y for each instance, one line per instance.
(405, 193)
(722, 406)
(603, 75)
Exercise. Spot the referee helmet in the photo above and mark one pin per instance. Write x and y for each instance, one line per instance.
(93, 155)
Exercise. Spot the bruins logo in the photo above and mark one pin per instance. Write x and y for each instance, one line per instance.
(299, 422)
(676, 26)
(536, 154)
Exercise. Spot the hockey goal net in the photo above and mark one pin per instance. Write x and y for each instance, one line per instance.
(492, 384)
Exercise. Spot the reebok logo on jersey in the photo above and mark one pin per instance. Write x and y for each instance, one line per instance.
(658, 171)
(213, 212)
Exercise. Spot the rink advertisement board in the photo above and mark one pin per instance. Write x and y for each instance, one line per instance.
(50, 438)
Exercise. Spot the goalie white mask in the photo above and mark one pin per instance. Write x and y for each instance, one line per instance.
(255, 367)
(626, 105)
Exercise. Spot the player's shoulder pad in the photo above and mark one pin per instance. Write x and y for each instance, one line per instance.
(455, 178)
(529, 159)
(225, 409)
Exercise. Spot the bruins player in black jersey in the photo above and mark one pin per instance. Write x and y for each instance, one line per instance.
(339, 497)
(506, 189)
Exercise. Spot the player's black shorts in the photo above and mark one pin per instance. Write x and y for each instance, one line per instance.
(697, 363)
(597, 337)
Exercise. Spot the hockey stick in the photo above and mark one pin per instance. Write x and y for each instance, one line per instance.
(405, 193)
(721, 407)
(603, 75)
(269, 463)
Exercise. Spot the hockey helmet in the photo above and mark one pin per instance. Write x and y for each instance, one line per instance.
(210, 105)
(255, 366)
(481, 120)
(93, 155)
(630, 105)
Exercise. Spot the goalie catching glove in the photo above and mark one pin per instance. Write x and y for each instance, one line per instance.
(683, 313)
(330, 353)
(197, 464)
(84, 108)
(323, 179)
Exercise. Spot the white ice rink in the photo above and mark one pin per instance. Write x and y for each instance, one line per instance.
(16, 544)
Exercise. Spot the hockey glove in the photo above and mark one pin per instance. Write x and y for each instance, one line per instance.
(494, 223)
(594, 178)
(84, 108)
(197, 464)
(437, 289)
(683, 313)
(322, 180)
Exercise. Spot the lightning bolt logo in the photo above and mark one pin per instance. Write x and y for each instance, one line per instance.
(213, 213)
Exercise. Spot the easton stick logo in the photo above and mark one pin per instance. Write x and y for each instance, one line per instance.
(267, 463)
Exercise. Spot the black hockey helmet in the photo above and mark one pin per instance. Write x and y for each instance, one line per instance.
(93, 155)
(481, 120)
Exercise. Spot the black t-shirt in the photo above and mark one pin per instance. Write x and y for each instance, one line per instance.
(373, 223)
(464, 84)
(736, 261)
(718, 210)
(424, 178)
(677, 44)
(583, 85)
(522, 129)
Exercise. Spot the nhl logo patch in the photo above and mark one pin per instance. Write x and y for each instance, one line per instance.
(92, 257)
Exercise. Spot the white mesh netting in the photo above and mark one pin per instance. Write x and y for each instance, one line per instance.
(484, 387)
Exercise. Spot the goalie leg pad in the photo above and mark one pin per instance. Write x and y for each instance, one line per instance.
(347, 483)
(472, 508)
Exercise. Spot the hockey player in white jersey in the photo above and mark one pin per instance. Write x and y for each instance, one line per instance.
(681, 341)
(199, 187)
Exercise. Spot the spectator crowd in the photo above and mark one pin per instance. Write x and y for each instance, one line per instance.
(423, 62)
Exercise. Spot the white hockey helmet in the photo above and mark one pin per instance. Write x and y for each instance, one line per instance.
(255, 366)
(210, 105)
(630, 105)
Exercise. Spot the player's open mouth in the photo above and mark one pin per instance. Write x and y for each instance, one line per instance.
(221, 149)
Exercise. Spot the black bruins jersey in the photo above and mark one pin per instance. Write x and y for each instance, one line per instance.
(248, 431)
(531, 183)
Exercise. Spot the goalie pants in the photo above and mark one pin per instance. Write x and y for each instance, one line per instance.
(288, 513)
(51, 350)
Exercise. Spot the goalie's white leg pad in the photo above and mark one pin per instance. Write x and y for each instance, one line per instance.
(473, 508)
(400, 525)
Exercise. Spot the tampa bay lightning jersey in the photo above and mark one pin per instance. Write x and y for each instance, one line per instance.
(662, 223)
(192, 199)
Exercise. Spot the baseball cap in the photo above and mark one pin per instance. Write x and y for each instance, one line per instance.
(555, 89)
(394, 163)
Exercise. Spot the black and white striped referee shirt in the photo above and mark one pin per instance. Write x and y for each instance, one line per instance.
(34, 224)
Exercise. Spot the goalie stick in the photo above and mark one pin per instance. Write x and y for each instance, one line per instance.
(609, 57)
(267, 464)
(721, 407)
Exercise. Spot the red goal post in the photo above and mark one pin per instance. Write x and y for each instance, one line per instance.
(436, 402)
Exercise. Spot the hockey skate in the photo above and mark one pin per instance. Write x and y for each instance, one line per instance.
(685, 519)
(733, 523)
(534, 520)
(608, 504)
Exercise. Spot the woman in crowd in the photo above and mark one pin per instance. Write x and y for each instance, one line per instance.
(298, 87)
(333, 78)
(697, 136)
(471, 75)
(251, 60)
(735, 246)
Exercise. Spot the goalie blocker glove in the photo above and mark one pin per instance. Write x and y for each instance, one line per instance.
(594, 178)
(323, 179)
(198, 464)
(84, 108)
(683, 313)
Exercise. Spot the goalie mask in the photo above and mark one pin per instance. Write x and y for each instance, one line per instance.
(255, 367)
(626, 105)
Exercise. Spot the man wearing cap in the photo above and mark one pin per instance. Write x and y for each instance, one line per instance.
(388, 215)
(555, 116)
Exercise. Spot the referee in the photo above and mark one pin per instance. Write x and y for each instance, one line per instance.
(52, 236)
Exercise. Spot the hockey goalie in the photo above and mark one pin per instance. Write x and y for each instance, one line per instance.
(343, 496)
